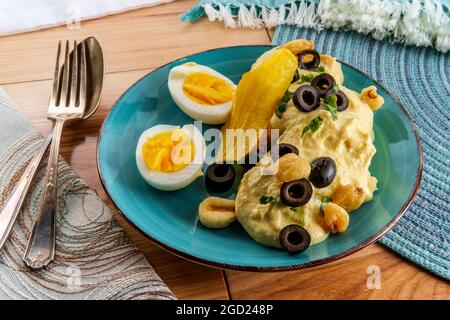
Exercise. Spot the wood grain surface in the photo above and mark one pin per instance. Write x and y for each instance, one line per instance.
(136, 42)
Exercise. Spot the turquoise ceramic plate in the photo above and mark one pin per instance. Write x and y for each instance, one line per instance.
(170, 218)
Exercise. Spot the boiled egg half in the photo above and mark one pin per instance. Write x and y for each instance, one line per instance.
(201, 92)
(169, 157)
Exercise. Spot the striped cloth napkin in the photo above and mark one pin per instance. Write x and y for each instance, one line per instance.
(95, 260)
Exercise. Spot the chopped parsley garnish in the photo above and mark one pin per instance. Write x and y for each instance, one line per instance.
(293, 209)
(306, 78)
(281, 109)
(325, 200)
(282, 106)
(267, 199)
(335, 88)
(313, 125)
(330, 103)
(318, 69)
(287, 96)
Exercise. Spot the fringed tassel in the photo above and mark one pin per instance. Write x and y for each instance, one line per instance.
(418, 22)
(194, 14)
(302, 14)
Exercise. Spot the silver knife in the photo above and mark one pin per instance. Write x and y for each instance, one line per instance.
(9, 213)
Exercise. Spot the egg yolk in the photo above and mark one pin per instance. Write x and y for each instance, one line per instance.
(168, 151)
(206, 89)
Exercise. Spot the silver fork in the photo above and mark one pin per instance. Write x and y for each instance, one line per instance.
(67, 102)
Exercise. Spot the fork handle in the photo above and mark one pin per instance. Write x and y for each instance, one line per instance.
(41, 245)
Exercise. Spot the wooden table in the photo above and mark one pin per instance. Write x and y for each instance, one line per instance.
(135, 43)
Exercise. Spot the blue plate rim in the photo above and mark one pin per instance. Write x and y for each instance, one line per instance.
(250, 268)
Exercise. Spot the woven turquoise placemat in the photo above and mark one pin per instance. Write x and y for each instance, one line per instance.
(420, 78)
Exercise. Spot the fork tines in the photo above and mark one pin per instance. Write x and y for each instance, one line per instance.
(70, 79)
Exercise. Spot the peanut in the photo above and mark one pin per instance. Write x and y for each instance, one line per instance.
(291, 167)
(216, 213)
(348, 196)
(299, 45)
(336, 218)
(370, 96)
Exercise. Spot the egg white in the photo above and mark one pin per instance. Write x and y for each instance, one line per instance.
(172, 180)
(214, 114)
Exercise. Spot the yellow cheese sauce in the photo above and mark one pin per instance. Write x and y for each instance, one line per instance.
(348, 140)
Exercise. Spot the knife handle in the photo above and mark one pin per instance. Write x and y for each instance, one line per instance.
(10, 211)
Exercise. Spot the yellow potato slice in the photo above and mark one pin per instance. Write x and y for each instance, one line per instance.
(257, 96)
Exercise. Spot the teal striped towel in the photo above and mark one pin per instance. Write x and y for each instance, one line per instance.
(415, 22)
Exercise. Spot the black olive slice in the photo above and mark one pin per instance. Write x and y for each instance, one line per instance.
(296, 193)
(219, 178)
(284, 149)
(324, 84)
(294, 238)
(248, 162)
(247, 166)
(323, 172)
(306, 98)
(252, 158)
(341, 101)
(296, 76)
(314, 63)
